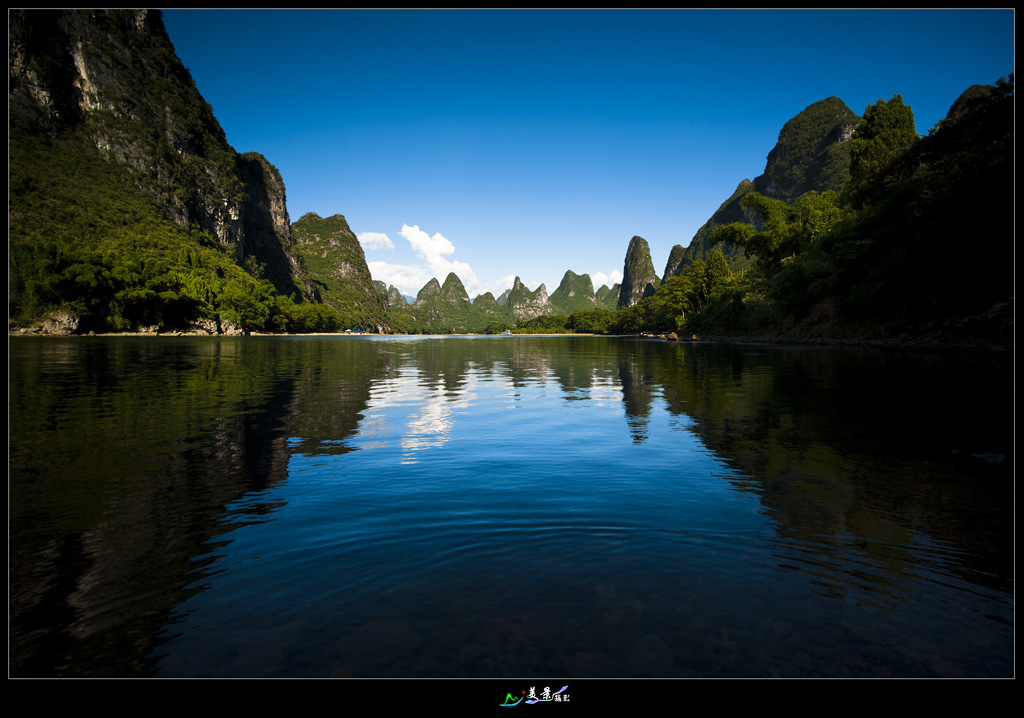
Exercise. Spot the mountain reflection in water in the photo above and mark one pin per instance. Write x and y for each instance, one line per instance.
(515, 506)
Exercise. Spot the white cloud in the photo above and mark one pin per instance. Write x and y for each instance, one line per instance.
(504, 283)
(433, 251)
(375, 240)
(434, 254)
(609, 279)
(409, 280)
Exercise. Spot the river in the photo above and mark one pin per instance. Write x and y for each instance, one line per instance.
(506, 506)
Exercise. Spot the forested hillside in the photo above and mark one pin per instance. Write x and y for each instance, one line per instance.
(917, 247)
(812, 153)
(129, 210)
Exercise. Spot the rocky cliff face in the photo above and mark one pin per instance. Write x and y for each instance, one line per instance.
(524, 304)
(639, 279)
(675, 261)
(813, 153)
(266, 239)
(112, 76)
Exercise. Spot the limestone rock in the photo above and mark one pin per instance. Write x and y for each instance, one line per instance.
(430, 290)
(525, 304)
(452, 291)
(639, 279)
(61, 323)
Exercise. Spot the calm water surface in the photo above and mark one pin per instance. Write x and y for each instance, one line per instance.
(506, 506)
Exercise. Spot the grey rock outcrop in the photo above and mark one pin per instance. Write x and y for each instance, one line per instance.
(396, 300)
(524, 304)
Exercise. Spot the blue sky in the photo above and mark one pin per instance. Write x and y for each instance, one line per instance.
(504, 143)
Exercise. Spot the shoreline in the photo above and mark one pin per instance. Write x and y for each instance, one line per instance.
(94, 335)
(903, 342)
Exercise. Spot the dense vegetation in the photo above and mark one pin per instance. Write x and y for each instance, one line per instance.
(84, 243)
(877, 259)
(332, 257)
(575, 291)
(812, 153)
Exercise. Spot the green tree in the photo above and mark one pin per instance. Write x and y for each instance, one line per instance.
(952, 188)
(544, 324)
(676, 297)
(499, 327)
(716, 274)
(818, 215)
(590, 321)
(769, 246)
(883, 137)
(249, 304)
(631, 320)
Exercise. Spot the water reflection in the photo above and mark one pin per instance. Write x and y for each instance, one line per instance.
(339, 506)
(431, 425)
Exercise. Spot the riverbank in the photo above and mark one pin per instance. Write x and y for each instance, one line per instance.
(943, 340)
(938, 341)
(992, 330)
(24, 333)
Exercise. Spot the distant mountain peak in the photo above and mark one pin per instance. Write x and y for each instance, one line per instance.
(576, 291)
(524, 304)
(430, 290)
(639, 279)
(453, 291)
